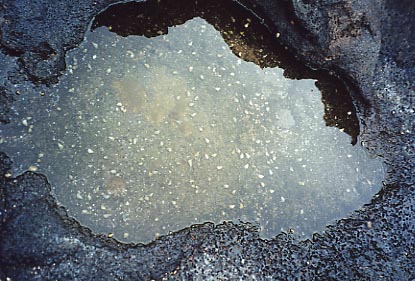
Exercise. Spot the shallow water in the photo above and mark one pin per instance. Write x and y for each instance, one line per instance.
(147, 135)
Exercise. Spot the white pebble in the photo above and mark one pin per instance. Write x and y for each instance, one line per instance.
(33, 168)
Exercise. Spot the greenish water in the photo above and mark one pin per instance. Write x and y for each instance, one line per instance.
(143, 136)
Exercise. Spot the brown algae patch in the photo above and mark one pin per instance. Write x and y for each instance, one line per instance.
(115, 185)
(151, 135)
(164, 102)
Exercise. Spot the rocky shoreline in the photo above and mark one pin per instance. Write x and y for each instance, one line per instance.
(366, 44)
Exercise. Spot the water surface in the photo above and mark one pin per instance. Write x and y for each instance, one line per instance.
(147, 135)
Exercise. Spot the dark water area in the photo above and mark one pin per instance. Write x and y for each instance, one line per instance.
(156, 127)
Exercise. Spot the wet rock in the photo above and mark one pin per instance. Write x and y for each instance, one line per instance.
(41, 32)
(368, 44)
(6, 102)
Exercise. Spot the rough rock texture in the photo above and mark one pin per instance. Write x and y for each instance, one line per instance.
(40, 32)
(369, 44)
(6, 101)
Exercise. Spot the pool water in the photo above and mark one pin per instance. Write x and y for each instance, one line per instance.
(142, 136)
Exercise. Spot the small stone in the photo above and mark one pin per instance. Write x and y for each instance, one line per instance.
(33, 168)
(79, 195)
(130, 53)
(90, 151)
(219, 167)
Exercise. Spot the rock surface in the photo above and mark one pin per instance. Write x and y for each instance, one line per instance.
(369, 44)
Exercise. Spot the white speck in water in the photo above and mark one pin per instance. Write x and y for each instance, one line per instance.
(33, 168)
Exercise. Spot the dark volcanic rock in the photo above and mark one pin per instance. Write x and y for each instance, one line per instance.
(6, 101)
(41, 32)
(368, 44)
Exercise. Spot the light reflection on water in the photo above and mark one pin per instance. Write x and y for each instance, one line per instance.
(144, 136)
